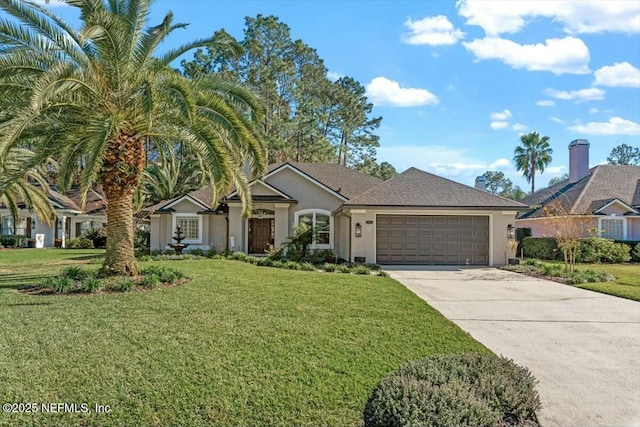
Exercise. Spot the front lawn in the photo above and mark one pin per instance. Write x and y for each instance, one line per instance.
(626, 285)
(238, 345)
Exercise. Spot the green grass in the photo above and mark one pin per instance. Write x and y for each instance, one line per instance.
(238, 345)
(626, 285)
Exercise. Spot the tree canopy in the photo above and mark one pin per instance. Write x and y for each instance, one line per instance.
(533, 155)
(101, 95)
(308, 117)
(624, 154)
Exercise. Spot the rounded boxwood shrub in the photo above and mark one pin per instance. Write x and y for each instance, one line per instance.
(455, 390)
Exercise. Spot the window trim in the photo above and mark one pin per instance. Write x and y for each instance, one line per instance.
(613, 217)
(174, 221)
(315, 245)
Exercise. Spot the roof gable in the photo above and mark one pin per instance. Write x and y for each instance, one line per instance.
(289, 166)
(604, 184)
(188, 198)
(415, 187)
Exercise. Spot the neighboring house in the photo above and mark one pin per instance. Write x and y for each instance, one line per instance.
(69, 217)
(607, 197)
(413, 218)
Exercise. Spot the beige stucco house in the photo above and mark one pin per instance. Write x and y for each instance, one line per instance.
(414, 218)
(606, 198)
(71, 220)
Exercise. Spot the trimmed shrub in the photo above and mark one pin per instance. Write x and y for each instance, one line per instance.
(11, 241)
(343, 268)
(382, 273)
(531, 261)
(165, 274)
(360, 269)
(197, 252)
(596, 249)
(266, 262)
(329, 268)
(636, 253)
(78, 243)
(306, 266)
(555, 270)
(292, 265)
(455, 390)
(541, 247)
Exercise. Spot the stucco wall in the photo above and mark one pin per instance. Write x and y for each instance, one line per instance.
(308, 194)
(615, 208)
(342, 238)
(217, 232)
(547, 227)
(365, 246)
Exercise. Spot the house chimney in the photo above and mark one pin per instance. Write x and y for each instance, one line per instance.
(578, 160)
(481, 183)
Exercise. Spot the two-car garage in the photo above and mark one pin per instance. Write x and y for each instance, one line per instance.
(432, 239)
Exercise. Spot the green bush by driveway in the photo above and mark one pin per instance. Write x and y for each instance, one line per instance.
(238, 345)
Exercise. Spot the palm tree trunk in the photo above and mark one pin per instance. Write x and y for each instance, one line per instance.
(122, 169)
(120, 258)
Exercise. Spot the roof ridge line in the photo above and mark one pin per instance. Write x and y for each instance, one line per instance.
(584, 190)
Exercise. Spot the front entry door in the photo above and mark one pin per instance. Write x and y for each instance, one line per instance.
(260, 234)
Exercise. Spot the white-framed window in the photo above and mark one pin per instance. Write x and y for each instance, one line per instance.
(322, 221)
(612, 228)
(190, 225)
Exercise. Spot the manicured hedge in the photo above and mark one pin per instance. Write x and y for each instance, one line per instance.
(521, 234)
(12, 241)
(592, 249)
(541, 248)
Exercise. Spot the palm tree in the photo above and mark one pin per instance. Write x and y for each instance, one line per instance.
(168, 179)
(533, 155)
(100, 94)
(28, 188)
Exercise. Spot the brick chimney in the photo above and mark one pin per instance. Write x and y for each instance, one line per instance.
(481, 183)
(578, 160)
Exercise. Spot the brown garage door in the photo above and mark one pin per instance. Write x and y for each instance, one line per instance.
(430, 239)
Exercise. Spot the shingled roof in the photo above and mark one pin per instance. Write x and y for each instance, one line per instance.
(415, 187)
(604, 184)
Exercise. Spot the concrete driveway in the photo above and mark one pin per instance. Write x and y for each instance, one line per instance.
(582, 346)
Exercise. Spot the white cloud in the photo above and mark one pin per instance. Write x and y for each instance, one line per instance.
(581, 95)
(518, 127)
(504, 115)
(560, 56)
(557, 120)
(615, 126)
(384, 92)
(334, 76)
(432, 31)
(545, 103)
(585, 16)
(555, 170)
(499, 125)
(620, 74)
(594, 110)
(455, 164)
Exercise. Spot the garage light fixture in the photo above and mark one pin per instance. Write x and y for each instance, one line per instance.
(358, 230)
(510, 231)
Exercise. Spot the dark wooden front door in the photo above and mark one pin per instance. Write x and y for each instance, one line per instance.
(260, 234)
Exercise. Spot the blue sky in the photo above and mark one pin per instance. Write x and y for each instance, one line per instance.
(457, 83)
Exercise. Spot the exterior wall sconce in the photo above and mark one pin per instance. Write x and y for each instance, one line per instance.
(510, 231)
(358, 230)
